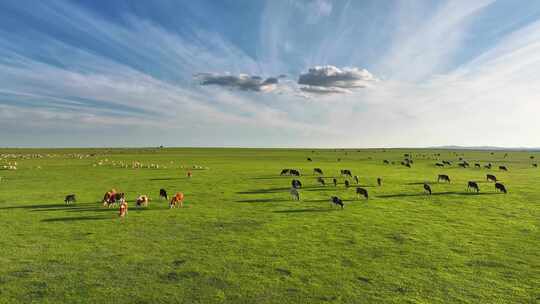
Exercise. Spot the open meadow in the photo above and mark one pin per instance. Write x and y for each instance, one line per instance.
(240, 238)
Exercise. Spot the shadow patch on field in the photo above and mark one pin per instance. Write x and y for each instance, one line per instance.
(262, 191)
(263, 200)
(284, 271)
(167, 178)
(175, 277)
(307, 210)
(76, 218)
(420, 183)
(44, 206)
(435, 194)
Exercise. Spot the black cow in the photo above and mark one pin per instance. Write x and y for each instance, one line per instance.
(335, 182)
(163, 194)
(500, 187)
(309, 159)
(477, 165)
(318, 171)
(347, 183)
(491, 178)
(285, 172)
(69, 199)
(439, 165)
(535, 165)
(320, 180)
(488, 166)
(473, 185)
(361, 191)
(379, 181)
(336, 201)
(503, 168)
(346, 172)
(427, 188)
(294, 172)
(446, 162)
(386, 162)
(296, 184)
(443, 177)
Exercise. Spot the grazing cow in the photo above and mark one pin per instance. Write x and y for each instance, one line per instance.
(473, 185)
(108, 198)
(320, 180)
(336, 201)
(535, 165)
(500, 187)
(439, 165)
(177, 200)
(379, 181)
(296, 184)
(488, 166)
(347, 183)
(189, 174)
(70, 199)
(443, 177)
(408, 165)
(446, 162)
(294, 194)
(309, 159)
(318, 171)
(285, 172)
(477, 165)
(163, 194)
(491, 178)
(123, 210)
(361, 191)
(346, 172)
(335, 182)
(294, 172)
(142, 200)
(386, 162)
(503, 168)
(427, 188)
(356, 179)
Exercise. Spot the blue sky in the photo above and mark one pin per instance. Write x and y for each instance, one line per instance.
(270, 73)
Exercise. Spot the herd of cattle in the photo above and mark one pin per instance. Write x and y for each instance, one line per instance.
(113, 198)
(362, 192)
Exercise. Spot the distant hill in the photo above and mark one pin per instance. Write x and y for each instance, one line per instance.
(490, 148)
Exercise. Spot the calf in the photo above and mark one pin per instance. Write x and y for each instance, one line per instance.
(361, 191)
(69, 199)
(123, 210)
(336, 201)
(491, 178)
(500, 187)
(473, 185)
(163, 194)
(177, 200)
(427, 188)
(142, 200)
(443, 177)
(294, 194)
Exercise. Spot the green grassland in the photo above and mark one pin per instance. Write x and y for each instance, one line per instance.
(240, 239)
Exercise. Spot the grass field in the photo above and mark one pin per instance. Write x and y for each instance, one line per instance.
(240, 239)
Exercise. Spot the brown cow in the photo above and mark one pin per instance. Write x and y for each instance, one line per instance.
(142, 200)
(178, 199)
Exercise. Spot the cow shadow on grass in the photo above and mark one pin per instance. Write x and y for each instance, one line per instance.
(307, 210)
(77, 218)
(263, 200)
(46, 207)
(437, 194)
